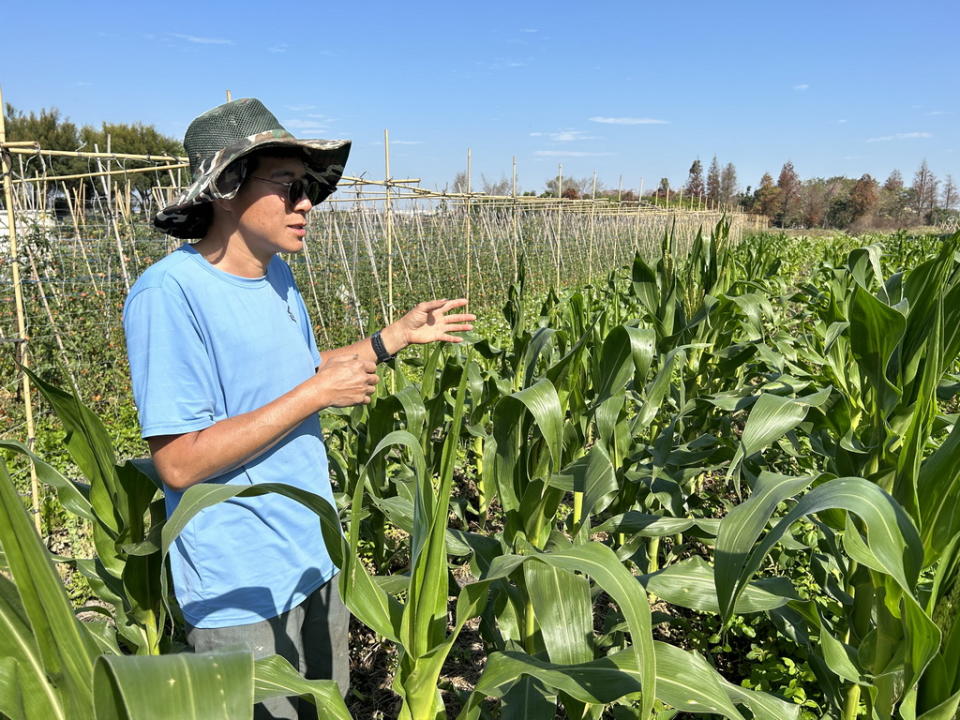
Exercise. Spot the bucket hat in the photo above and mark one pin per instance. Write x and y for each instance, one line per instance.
(217, 139)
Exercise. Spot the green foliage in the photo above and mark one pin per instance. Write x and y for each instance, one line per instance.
(716, 483)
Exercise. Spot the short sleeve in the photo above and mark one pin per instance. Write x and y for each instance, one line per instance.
(173, 383)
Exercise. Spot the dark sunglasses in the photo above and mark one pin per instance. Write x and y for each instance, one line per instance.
(298, 189)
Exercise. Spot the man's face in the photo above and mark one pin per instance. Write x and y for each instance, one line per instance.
(266, 218)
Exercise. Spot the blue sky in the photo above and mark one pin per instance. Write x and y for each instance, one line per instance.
(631, 89)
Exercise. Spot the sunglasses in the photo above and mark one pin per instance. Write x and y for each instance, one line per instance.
(298, 189)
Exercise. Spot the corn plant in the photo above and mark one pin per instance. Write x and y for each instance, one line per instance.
(887, 345)
(54, 666)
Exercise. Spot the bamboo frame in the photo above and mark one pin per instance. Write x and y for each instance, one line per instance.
(22, 345)
(81, 176)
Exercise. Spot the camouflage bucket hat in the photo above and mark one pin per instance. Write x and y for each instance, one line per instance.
(217, 139)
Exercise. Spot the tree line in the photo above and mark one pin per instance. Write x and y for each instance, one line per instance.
(55, 132)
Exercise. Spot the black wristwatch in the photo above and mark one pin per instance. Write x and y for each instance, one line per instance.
(378, 347)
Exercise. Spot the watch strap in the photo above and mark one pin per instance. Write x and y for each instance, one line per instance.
(378, 347)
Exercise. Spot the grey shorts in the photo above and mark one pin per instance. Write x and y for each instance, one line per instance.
(313, 637)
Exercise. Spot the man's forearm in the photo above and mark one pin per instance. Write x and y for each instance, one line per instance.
(392, 340)
(184, 460)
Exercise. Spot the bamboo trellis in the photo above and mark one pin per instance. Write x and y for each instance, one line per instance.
(81, 259)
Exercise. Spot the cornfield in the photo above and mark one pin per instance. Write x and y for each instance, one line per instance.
(732, 430)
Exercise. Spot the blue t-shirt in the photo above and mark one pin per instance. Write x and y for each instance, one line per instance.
(205, 345)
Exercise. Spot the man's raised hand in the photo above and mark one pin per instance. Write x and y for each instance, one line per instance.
(428, 322)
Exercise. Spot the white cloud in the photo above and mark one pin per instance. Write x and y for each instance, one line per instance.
(565, 135)
(939, 112)
(900, 136)
(279, 48)
(529, 30)
(569, 153)
(841, 121)
(802, 86)
(627, 120)
(300, 108)
(202, 40)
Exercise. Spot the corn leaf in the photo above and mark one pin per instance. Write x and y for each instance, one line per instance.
(938, 491)
(561, 599)
(273, 676)
(64, 649)
(11, 696)
(73, 496)
(365, 598)
(196, 686)
(17, 644)
(690, 583)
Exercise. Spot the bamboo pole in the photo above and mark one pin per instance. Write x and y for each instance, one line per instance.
(113, 222)
(35, 149)
(82, 176)
(469, 223)
(559, 223)
(21, 339)
(593, 228)
(389, 223)
(516, 221)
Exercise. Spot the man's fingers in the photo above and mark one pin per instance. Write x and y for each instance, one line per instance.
(451, 304)
(369, 367)
(466, 318)
(431, 305)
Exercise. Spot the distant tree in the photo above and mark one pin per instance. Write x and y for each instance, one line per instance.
(949, 193)
(55, 133)
(894, 198)
(713, 181)
(694, 186)
(728, 184)
(789, 185)
(767, 197)
(864, 198)
(52, 133)
(815, 202)
(132, 139)
(664, 187)
(924, 192)
(840, 212)
(459, 184)
(500, 187)
(569, 184)
(894, 181)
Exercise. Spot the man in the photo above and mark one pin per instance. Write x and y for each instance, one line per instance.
(228, 382)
